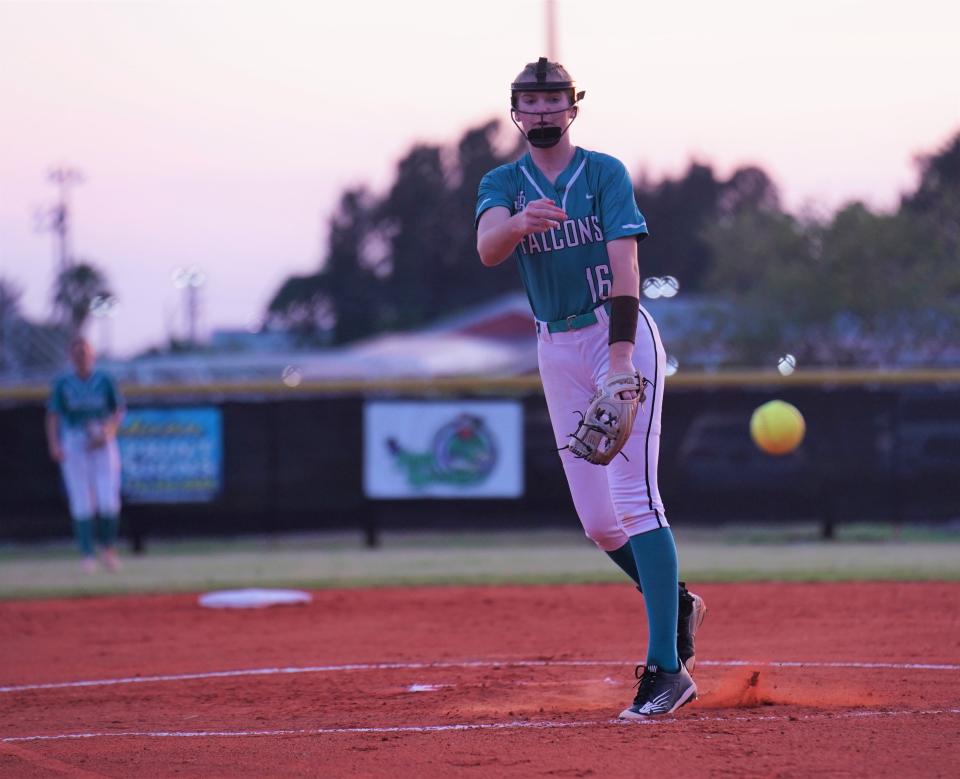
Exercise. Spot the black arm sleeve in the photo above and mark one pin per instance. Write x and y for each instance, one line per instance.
(624, 313)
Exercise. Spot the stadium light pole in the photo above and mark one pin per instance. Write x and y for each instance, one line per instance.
(104, 308)
(59, 215)
(190, 280)
(551, 29)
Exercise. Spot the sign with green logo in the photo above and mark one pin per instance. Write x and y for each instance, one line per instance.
(451, 449)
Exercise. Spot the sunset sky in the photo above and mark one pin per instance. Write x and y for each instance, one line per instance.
(221, 134)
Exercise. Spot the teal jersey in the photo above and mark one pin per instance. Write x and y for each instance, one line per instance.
(80, 401)
(566, 271)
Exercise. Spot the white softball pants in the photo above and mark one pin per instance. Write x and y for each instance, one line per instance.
(92, 477)
(621, 499)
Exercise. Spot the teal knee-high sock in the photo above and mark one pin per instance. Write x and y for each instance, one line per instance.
(83, 534)
(625, 559)
(107, 528)
(656, 556)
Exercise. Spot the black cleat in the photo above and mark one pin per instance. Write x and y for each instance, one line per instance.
(659, 692)
(691, 614)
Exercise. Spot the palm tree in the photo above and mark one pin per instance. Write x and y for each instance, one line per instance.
(75, 289)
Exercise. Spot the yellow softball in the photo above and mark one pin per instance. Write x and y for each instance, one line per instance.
(777, 427)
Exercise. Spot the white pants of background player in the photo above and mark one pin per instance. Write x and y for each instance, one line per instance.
(621, 499)
(92, 476)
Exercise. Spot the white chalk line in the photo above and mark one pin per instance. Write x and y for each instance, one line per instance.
(462, 664)
(467, 726)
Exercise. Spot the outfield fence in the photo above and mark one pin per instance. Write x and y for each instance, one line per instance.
(879, 446)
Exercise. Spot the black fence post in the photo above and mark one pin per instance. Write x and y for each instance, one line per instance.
(136, 526)
(372, 524)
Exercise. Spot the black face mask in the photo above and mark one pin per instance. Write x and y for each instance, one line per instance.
(545, 137)
(542, 137)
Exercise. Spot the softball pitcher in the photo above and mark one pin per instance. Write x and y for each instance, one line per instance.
(569, 218)
(83, 414)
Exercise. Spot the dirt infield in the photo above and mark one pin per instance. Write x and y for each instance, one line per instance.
(857, 679)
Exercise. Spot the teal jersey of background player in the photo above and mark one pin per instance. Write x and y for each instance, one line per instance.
(566, 271)
(79, 401)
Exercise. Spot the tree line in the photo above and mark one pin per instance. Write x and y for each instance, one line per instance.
(858, 287)
(855, 288)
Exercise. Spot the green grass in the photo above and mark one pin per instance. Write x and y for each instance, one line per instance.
(727, 554)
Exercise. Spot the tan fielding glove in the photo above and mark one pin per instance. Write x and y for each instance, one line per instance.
(608, 420)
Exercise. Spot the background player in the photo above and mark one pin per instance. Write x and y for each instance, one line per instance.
(570, 219)
(83, 414)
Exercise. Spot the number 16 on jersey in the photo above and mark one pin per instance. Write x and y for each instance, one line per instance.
(600, 281)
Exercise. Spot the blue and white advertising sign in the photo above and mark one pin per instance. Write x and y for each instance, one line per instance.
(171, 455)
(444, 449)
